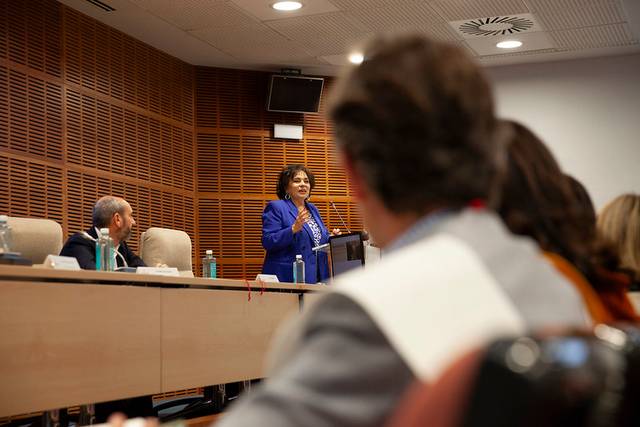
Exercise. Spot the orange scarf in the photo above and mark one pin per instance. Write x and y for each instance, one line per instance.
(610, 303)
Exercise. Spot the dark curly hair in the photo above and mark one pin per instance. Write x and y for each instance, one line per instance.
(286, 176)
(419, 111)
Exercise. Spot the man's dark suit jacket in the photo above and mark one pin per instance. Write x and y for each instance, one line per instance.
(84, 250)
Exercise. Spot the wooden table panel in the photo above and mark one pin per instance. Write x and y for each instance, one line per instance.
(63, 344)
(214, 337)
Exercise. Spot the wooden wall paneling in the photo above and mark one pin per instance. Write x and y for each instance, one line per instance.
(17, 32)
(33, 189)
(253, 173)
(188, 159)
(228, 105)
(206, 98)
(231, 218)
(294, 152)
(230, 164)
(176, 90)
(18, 113)
(336, 176)
(4, 29)
(117, 144)
(54, 121)
(155, 83)
(142, 74)
(166, 95)
(142, 147)
(88, 134)
(103, 138)
(252, 99)
(73, 107)
(274, 161)
(163, 149)
(5, 199)
(178, 156)
(316, 154)
(116, 65)
(156, 154)
(102, 54)
(187, 105)
(72, 47)
(88, 51)
(129, 70)
(4, 107)
(130, 153)
(208, 163)
(252, 230)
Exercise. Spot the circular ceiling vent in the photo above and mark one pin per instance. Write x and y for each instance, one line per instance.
(499, 25)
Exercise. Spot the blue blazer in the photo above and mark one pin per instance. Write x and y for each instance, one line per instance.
(282, 245)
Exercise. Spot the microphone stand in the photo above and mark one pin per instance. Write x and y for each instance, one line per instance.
(333, 205)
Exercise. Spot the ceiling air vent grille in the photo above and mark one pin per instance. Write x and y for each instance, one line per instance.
(101, 5)
(496, 26)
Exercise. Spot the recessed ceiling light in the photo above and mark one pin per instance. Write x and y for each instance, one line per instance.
(287, 6)
(509, 44)
(356, 58)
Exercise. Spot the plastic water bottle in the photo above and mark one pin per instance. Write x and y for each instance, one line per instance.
(209, 265)
(105, 259)
(298, 270)
(5, 235)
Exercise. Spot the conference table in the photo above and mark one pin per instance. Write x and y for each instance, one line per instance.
(77, 337)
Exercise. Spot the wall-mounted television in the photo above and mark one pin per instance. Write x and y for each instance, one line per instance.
(294, 94)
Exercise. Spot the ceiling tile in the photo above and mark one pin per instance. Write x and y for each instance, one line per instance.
(558, 15)
(196, 14)
(406, 17)
(258, 45)
(454, 10)
(262, 10)
(328, 34)
(594, 37)
(530, 42)
(368, 4)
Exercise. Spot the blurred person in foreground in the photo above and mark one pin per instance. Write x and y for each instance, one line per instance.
(619, 223)
(541, 202)
(292, 226)
(113, 213)
(416, 131)
(415, 127)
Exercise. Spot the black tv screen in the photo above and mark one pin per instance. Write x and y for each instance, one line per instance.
(295, 94)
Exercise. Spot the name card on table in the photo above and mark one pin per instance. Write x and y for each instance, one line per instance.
(267, 278)
(159, 271)
(58, 262)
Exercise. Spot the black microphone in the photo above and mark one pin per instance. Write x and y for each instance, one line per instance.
(339, 216)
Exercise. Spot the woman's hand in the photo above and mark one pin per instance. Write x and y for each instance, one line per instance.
(336, 232)
(303, 216)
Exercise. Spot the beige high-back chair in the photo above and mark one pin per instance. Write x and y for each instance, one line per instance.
(35, 238)
(167, 246)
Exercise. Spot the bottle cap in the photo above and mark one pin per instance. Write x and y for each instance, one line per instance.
(208, 252)
(4, 218)
(104, 231)
(298, 256)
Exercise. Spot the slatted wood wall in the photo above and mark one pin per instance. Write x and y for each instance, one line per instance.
(86, 110)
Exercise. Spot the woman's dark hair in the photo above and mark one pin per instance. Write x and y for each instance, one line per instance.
(416, 119)
(286, 176)
(540, 201)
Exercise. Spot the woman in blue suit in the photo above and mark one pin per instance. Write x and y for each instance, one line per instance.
(292, 226)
